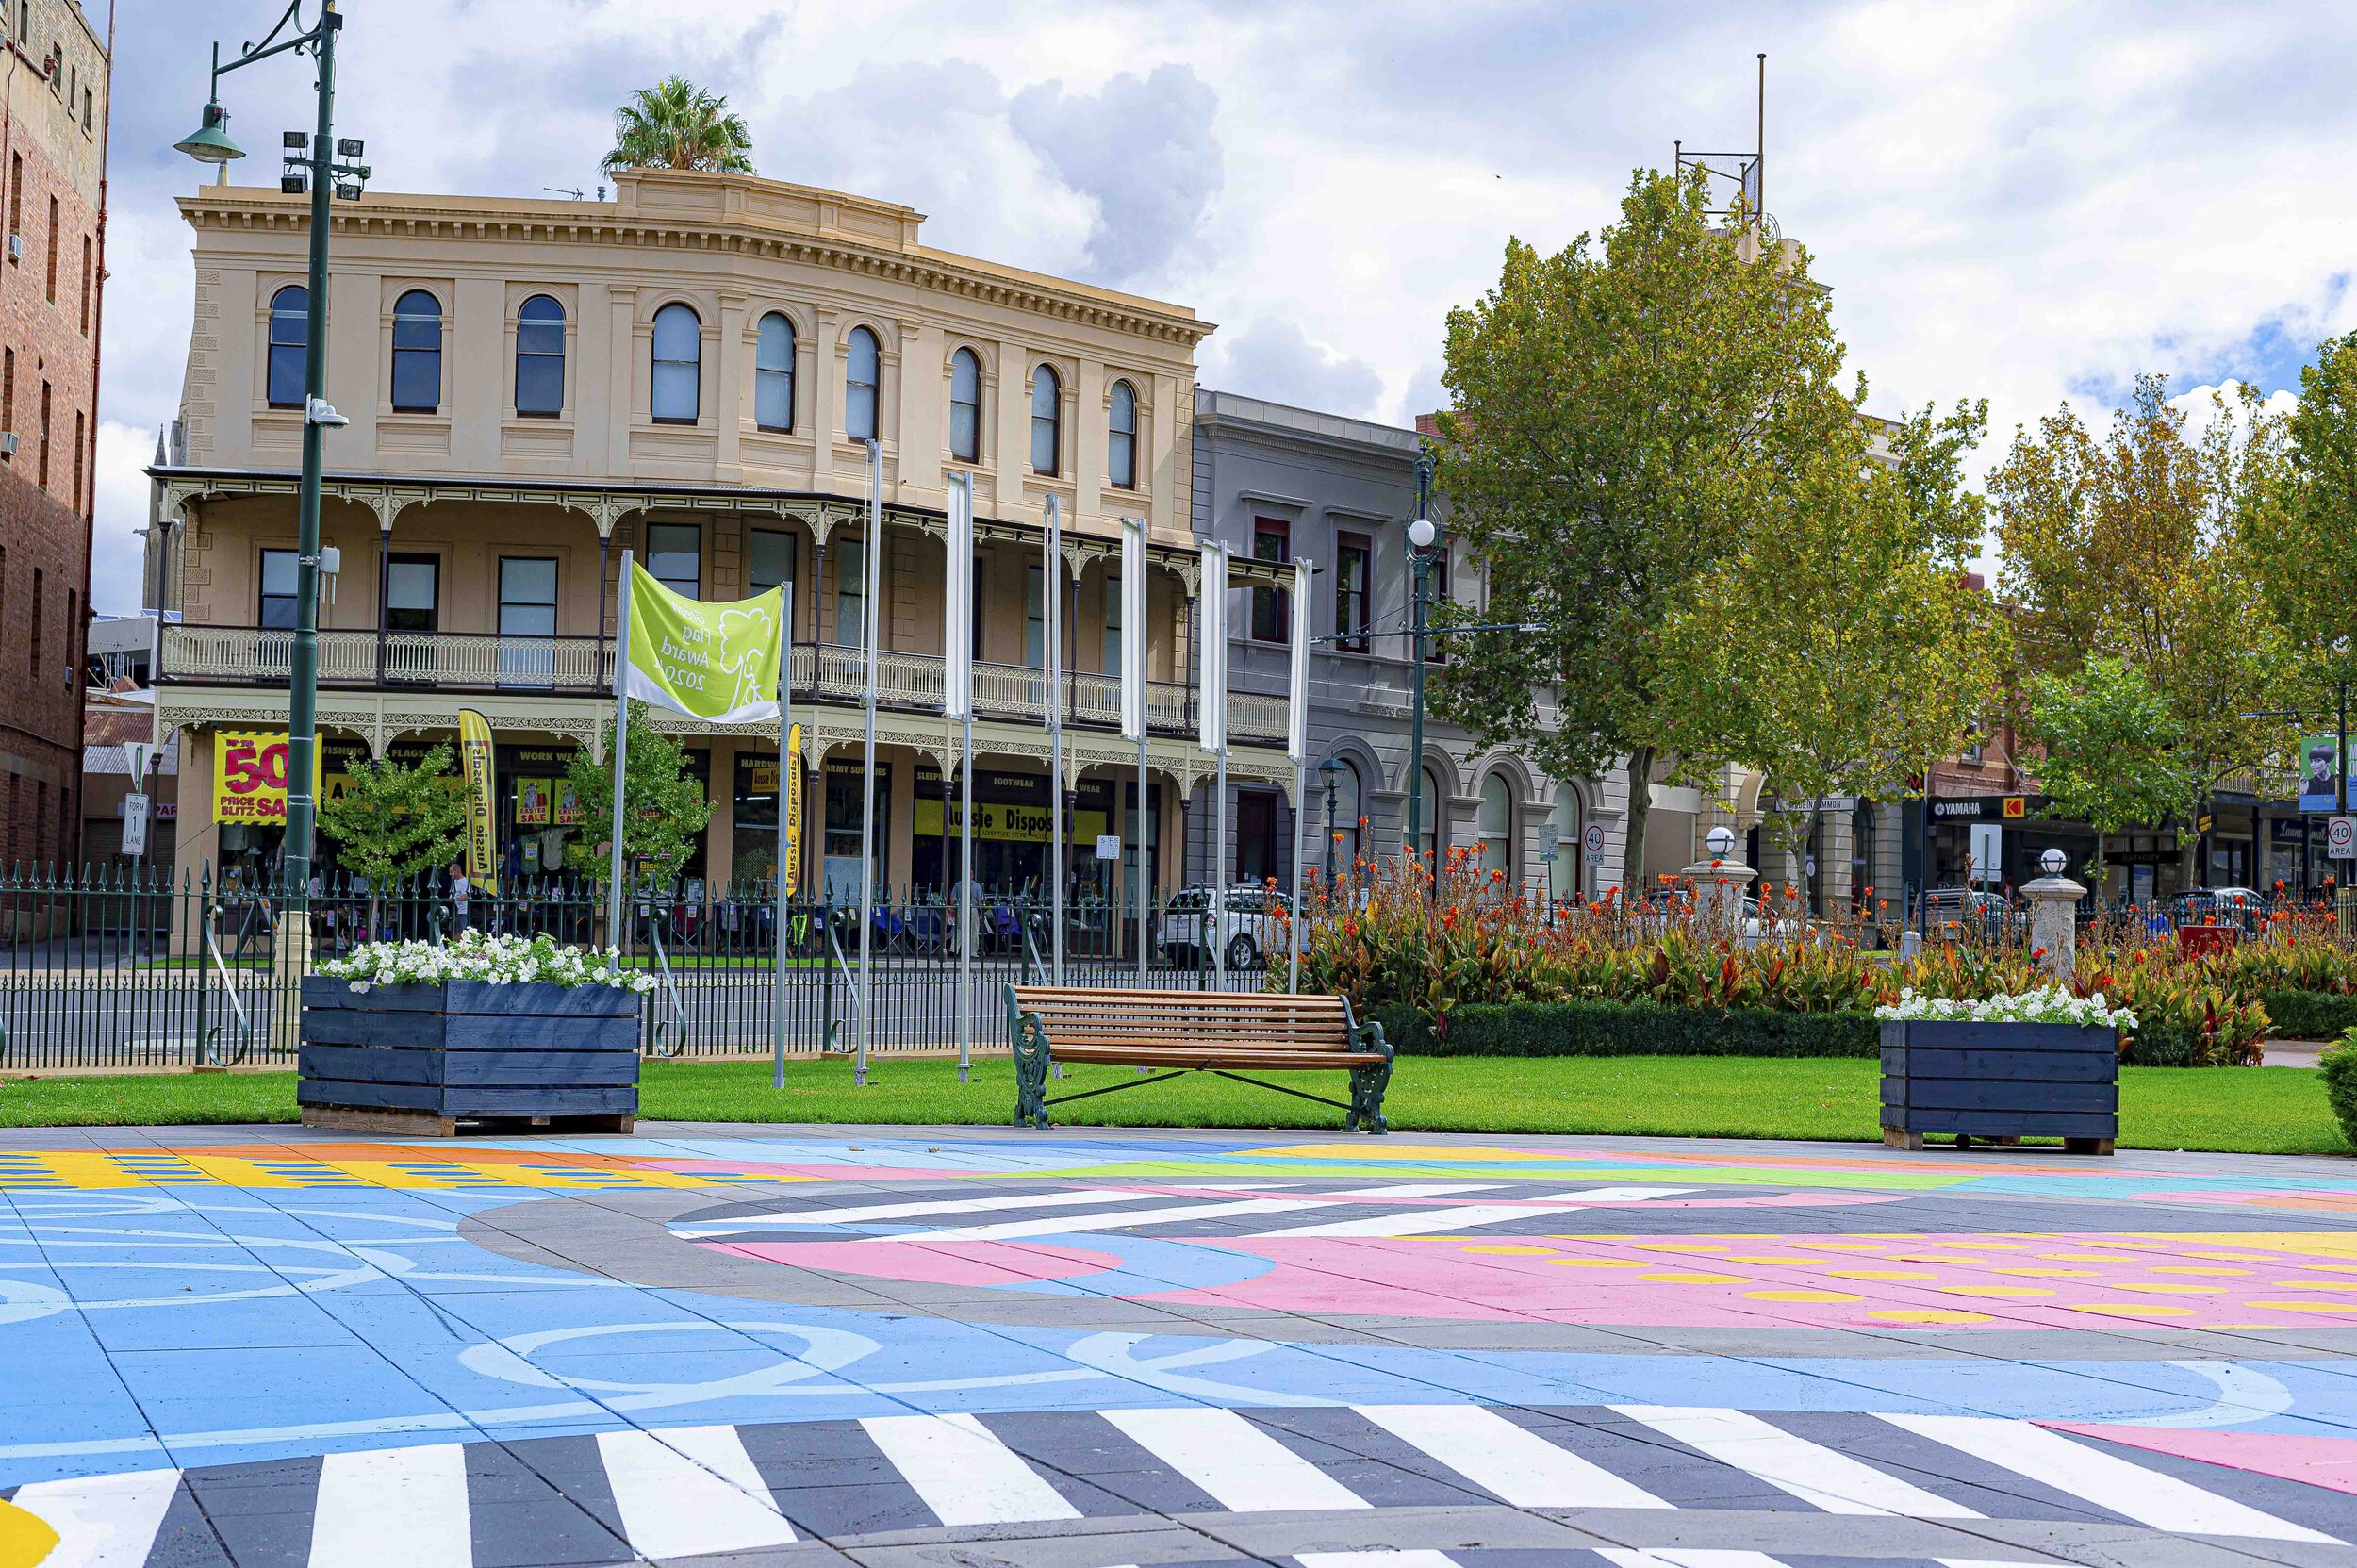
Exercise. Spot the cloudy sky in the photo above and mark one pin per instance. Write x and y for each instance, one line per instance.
(2030, 202)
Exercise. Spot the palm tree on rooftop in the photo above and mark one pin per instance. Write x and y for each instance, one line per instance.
(677, 124)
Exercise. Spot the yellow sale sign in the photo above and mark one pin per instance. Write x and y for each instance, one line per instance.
(250, 776)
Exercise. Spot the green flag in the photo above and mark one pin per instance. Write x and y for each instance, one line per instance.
(714, 662)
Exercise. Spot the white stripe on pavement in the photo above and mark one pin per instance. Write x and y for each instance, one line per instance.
(1431, 1189)
(685, 1489)
(1057, 1225)
(1685, 1557)
(1809, 1470)
(1422, 1222)
(102, 1521)
(1242, 1467)
(2147, 1496)
(962, 1472)
(1420, 1556)
(393, 1508)
(897, 1211)
(1514, 1461)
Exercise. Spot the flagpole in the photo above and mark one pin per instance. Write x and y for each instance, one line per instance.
(872, 550)
(1133, 715)
(786, 781)
(621, 761)
(1052, 589)
(1211, 698)
(1297, 748)
(958, 698)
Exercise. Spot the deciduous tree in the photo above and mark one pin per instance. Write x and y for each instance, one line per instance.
(2138, 546)
(2115, 749)
(396, 819)
(1623, 411)
(663, 807)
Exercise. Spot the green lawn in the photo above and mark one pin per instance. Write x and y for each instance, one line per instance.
(2250, 1110)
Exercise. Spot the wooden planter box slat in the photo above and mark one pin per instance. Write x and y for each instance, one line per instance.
(2001, 1081)
(423, 1058)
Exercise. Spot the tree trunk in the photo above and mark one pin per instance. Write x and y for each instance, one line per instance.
(2189, 847)
(2102, 869)
(1641, 759)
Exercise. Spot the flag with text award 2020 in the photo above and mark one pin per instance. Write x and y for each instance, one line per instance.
(714, 662)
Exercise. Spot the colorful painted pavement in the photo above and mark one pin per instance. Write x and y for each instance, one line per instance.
(904, 1347)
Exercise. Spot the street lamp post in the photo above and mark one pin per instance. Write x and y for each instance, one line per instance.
(1332, 769)
(210, 143)
(1420, 537)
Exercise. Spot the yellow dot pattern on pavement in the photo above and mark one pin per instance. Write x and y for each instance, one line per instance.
(26, 1539)
(396, 1167)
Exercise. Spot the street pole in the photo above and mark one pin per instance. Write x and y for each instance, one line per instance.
(1420, 554)
(302, 692)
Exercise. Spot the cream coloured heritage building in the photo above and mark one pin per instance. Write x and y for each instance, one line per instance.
(688, 372)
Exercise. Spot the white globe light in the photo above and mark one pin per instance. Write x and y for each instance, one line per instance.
(1421, 532)
(2052, 862)
(1721, 842)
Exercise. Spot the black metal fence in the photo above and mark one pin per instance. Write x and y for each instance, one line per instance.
(135, 968)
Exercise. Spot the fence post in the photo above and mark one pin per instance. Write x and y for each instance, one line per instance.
(289, 960)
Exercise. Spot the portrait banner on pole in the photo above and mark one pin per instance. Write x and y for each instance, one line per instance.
(475, 764)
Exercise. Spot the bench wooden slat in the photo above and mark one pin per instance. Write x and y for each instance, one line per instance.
(1194, 1031)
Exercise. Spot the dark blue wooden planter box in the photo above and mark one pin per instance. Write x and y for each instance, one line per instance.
(423, 1058)
(1998, 1083)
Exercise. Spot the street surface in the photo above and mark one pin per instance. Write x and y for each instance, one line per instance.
(903, 1346)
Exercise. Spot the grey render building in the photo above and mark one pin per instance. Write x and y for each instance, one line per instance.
(1284, 483)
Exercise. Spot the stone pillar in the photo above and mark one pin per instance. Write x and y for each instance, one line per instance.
(1719, 889)
(2055, 924)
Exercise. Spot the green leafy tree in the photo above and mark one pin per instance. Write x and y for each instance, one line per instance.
(396, 820)
(663, 806)
(2304, 531)
(2114, 749)
(2140, 546)
(1841, 650)
(677, 124)
(1622, 411)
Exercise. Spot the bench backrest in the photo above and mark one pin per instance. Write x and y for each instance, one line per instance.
(1074, 1015)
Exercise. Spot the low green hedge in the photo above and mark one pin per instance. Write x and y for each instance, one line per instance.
(2309, 1015)
(2339, 1069)
(1652, 1028)
(1630, 1029)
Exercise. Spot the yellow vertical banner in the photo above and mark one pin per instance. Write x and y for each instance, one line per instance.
(475, 762)
(790, 810)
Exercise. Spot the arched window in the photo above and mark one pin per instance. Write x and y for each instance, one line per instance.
(1431, 808)
(289, 338)
(1047, 421)
(1345, 831)
(773, 373)
(965, 407)
(1121, 437)
(1564, 873)
(540, 358)
(1497, 825)
(861, 373)
(416, 352)
(676, 383)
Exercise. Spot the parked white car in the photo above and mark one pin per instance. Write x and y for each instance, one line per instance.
(1248, 931)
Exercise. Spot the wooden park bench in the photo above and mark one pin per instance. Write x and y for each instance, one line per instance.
(1226, 1033)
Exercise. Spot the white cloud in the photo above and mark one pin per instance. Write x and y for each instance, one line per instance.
(2031, 200)
(117, 551)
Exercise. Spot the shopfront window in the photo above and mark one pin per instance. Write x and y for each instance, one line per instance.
(841, 869)
(754, 823)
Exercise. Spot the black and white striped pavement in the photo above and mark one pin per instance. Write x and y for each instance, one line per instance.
(801, 1491)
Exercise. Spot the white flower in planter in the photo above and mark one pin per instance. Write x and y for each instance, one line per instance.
(2045, 1005)
(489, 959)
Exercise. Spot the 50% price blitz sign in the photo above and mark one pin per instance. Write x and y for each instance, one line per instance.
(250, 776)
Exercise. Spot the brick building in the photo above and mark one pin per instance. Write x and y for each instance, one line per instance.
(54, 73)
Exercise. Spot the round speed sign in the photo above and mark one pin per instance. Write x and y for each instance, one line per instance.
(2340, 839)
(1594, 838)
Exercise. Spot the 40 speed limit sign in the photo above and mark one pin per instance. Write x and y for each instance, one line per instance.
(2340, 839)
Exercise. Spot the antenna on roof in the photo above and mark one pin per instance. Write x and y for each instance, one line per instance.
(574, 191)
(1747, 172)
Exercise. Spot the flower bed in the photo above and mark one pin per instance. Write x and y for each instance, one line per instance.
(407, 1037)
(1396, 939)
(479, 956)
